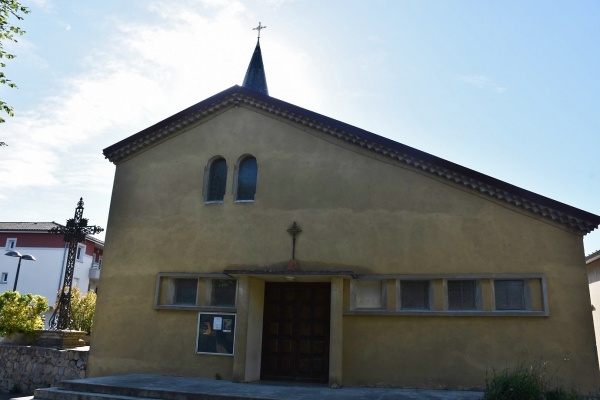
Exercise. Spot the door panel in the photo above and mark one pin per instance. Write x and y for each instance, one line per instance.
(296, 332)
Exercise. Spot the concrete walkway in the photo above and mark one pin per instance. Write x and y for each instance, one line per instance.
(8, 396)
(158, 386)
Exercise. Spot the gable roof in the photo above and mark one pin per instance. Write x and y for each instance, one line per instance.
(28, 226)
(575, 219)
(38, 227)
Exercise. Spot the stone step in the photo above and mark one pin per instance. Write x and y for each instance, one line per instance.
(60, 394)
(87, 390)
(142, 386)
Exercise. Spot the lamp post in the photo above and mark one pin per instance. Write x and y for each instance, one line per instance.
(13, 253)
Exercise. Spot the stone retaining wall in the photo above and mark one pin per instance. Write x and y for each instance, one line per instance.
(25, 368)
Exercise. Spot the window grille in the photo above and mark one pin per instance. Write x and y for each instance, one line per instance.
(186, 291)
(414, 295)
(223, 292)
(461, 295)
(510, 294)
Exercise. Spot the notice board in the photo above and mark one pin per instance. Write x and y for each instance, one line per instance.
(216, 333)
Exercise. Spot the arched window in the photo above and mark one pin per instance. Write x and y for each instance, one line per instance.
(246, 179)
(217, 179)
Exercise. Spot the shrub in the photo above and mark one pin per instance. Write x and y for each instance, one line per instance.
(82, 309)
(525, 383)
(21, 313)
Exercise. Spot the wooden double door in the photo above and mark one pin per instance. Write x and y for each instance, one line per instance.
(295, 344)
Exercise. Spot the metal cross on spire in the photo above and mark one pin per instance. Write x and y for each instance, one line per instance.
(75, 231)
(258, 28)
(294, 231)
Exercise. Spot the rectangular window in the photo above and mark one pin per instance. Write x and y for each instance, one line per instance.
(186, 291)
(509, 294)
(368, 294)
(11, 244)
(4, 277)
(462, 295)
(414, 295)
(189, 291)
(223, 292)
(80, 252)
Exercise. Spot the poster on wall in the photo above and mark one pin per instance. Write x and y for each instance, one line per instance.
(216, 333)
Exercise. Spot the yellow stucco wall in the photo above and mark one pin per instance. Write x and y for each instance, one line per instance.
(358, 211)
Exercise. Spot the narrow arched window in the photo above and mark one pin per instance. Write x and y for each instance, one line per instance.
(246, 182)
(217, 179)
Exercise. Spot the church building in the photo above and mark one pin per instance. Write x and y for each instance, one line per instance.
(251, 239)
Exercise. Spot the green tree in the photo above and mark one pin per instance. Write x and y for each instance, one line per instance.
(9, 32)
(21, 313)
(82, 310)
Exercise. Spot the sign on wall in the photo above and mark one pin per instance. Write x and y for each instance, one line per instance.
(216, 332)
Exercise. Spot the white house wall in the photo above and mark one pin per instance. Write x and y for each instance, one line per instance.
(45, 275)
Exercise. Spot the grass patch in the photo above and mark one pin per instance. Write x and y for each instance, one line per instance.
(527, 382)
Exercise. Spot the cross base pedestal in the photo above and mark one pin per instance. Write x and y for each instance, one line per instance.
(59, 339)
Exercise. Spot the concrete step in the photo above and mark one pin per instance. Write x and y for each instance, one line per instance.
(86, 390)
(60, 394)
(158, 387)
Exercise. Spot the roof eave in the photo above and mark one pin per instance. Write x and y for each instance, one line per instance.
(579, 221)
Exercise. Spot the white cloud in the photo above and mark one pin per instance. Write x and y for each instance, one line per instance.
(44, 5)
(482, 82)
(277, 3)
(144, 73)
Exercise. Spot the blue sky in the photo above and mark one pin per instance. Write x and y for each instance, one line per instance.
(507, 88)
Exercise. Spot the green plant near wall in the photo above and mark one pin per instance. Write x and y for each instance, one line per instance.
(21, 313)
(527, 382)
(82, 309)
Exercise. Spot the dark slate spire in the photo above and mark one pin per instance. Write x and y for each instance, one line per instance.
(255, 78)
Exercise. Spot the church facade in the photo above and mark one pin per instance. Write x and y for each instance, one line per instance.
(251, 239)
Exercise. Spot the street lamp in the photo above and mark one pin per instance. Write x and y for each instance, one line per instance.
(13, 253)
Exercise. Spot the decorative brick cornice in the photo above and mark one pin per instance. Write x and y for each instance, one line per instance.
(576, 220)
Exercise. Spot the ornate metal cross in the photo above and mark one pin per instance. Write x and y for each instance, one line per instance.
(75, 231)
(294, 231)
(258, 28)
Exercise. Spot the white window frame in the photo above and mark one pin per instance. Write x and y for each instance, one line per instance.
(80, 252)
(11, 243)
(4, 277)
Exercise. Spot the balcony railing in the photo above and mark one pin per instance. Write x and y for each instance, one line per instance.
(95, 271)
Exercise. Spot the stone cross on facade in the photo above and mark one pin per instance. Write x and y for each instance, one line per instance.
(258, 28)
(75, 231)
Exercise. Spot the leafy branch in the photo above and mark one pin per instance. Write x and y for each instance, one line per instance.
(9, 32)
